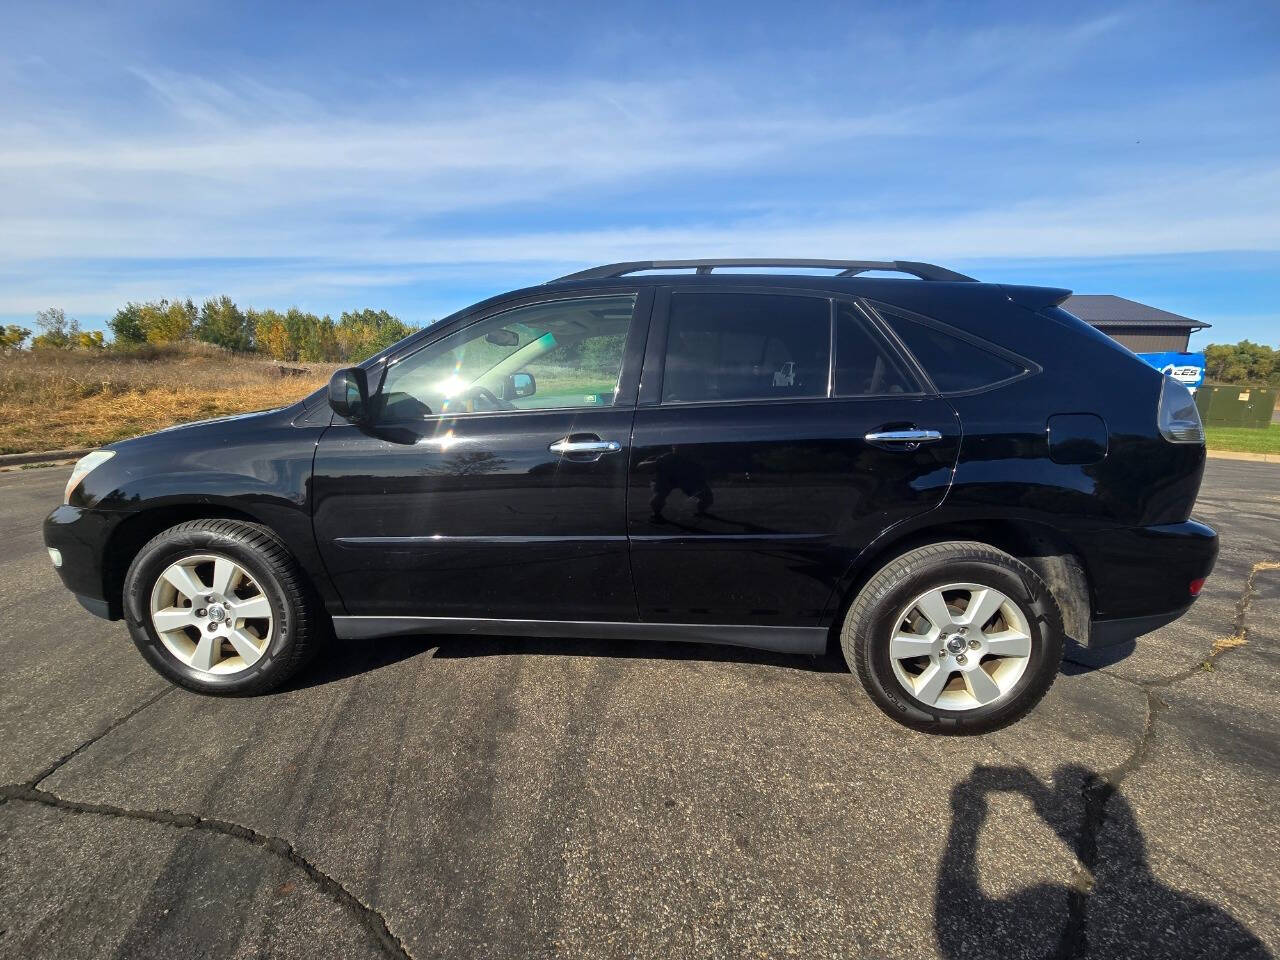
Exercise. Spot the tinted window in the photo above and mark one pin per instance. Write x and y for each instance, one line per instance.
(864, 365)
(567, 353)
(952, 364)
(733, 346)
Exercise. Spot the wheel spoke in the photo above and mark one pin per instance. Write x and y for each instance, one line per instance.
(930, 683)
(185, 581)
(904, 646)
(173, 618)
(206, 654)
(246, 645)
(254, 608)
(981, 685)
(226, 577)
(983, 605)
(934, 607)
(1009, 643)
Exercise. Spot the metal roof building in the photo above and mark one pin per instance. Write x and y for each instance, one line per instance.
(1141, 328)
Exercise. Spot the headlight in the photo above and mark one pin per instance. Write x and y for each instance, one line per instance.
(83, 467)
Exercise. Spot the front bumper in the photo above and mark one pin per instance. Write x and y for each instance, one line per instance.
(1141, 576)
(80, 535)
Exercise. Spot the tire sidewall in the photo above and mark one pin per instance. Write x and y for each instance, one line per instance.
(167, 549)
(1021, 586)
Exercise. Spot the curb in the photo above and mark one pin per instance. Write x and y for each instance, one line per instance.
(46, 456)
(1254, 457)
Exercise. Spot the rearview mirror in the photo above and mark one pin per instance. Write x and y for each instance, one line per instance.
(349, 394)
(503, 338)
(520, 385)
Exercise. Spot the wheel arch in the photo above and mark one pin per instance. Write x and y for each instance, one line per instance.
(1046, 550)
(133, 532)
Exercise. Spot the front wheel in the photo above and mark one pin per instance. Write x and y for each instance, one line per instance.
(954, 637)
(219, 606)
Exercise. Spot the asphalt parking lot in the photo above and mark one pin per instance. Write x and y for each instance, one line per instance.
(480, 797)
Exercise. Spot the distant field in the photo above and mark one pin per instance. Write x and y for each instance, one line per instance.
(1243, 440)
(55, 400)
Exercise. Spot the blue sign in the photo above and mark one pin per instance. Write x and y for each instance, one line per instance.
(1186, 368)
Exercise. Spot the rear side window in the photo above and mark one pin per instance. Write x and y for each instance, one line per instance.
(864, 365)
(953, 364)
(734, 346)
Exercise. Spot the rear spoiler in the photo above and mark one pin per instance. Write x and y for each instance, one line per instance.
(1035, 298)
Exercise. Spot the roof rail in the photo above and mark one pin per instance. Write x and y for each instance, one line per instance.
(847, 268)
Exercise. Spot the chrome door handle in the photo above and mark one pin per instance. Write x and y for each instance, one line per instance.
(909, 438)
(585, 446)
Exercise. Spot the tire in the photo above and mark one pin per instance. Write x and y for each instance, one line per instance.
(885, 627)
(208, 646)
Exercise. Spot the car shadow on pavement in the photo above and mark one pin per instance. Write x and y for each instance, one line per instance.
(347, 658)
(1114, 907)
(1078, 659)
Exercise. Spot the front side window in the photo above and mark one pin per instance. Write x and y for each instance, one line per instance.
(734, 346)
(567, 353)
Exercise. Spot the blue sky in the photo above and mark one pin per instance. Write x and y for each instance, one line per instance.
(421, 156)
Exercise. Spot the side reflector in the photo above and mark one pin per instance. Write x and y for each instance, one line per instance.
(55, 555)
(1197, 586)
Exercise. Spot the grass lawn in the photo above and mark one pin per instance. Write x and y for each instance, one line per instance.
(1243, 439)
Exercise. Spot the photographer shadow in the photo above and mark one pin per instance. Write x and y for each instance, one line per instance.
(1115, 906)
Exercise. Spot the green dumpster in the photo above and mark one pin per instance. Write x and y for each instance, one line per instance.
(1235, 406)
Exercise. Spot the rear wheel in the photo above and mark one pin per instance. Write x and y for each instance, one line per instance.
(219, 606)
(955, 637)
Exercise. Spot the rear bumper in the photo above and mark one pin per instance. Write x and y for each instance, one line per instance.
(80, 535)
(1108, 633)
(1141, 576)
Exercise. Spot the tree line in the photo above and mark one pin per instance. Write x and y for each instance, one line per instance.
(292, 335)
(1243, 362)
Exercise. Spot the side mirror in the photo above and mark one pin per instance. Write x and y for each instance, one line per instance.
(521, 385)
(349, 394)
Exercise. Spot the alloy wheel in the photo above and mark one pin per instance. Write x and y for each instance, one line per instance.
(211, 614)
(960, 647)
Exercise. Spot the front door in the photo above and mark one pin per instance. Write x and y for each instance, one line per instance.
(492, 483)
(753, 481)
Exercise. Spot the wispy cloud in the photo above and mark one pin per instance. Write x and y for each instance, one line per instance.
(1017, 136)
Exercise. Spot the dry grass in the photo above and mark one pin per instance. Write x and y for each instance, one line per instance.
(60, 399)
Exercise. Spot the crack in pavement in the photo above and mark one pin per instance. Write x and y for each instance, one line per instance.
(29, 792)
(113, 725)
(373, 921)
(1101, 787)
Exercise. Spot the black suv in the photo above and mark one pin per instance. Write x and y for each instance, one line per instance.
(948, 478)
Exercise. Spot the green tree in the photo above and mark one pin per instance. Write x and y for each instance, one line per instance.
(88, 340)
(165, 322)
(58, 332)
(1243, 362)
(223, 323)
(270, 335)
(12, 336)
(126, 325)
(363, 333)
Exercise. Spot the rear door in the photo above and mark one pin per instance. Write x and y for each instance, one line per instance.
(777, 434)
(493, 483)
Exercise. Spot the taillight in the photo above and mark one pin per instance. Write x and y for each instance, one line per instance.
(1196, 586)
(1178, 418)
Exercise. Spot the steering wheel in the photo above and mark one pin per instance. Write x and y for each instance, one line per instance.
(478, 394)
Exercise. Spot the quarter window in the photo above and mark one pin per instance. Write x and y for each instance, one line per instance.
(731, 346)
(864, 365)
(567, 353)
(954, 365)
